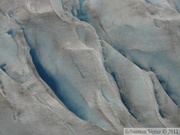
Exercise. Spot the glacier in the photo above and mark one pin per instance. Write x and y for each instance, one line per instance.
(88, 67)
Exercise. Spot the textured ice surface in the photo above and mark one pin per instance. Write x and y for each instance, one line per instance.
(76, 67)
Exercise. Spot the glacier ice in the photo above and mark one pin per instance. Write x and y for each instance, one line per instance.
(76, 67)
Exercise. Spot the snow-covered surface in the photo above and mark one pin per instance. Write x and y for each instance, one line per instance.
(88, 67)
